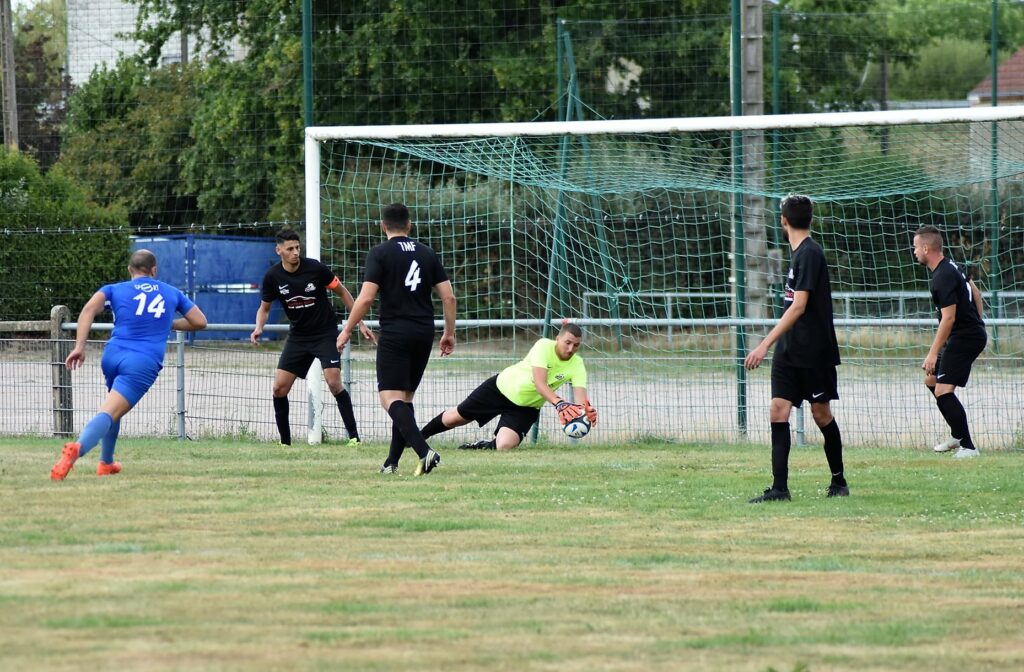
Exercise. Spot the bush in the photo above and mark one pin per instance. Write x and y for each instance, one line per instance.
(59, 247)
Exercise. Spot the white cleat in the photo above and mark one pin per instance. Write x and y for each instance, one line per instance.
(947, 445)
(967, 453)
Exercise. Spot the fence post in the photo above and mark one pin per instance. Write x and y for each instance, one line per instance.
(60, 348)
(180, 383)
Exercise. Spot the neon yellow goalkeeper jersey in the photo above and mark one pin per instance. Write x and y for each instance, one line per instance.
(516, 381)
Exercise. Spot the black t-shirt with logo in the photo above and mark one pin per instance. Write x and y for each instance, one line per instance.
(303, 294)
(811, 342)
(949, 287)
(406, 272)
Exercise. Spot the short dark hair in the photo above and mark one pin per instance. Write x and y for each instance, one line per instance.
(396, 217)
(798, 211)
(573, 329)
(142, 260)
(932, 235)
(284, 235)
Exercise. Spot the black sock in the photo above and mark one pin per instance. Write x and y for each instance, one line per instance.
(348, 416)
(780, 455)
(435, 426)
(834, 451)
(931, 388)
(281, 416)
(956, 417)
(404, 417)
(397, 446)
(398, 442)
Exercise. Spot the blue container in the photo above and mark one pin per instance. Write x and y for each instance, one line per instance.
(222, 274)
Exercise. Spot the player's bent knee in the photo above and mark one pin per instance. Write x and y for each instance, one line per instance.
(822, 414)
(780, 409)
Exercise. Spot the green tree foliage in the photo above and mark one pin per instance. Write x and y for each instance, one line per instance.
(827, 48)
(220, 140)
(956, 19)
(40, 265)
(947, 69)
(955, 46)
(40, 49)
(126, 133)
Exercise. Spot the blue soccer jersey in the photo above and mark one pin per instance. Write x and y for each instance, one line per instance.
(144, 309)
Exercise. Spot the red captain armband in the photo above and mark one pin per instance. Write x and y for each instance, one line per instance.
(334, 283)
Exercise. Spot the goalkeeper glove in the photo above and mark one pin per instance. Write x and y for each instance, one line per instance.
(567, 411)
(591, 412)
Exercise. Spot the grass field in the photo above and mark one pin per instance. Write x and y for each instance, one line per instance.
(233, 556)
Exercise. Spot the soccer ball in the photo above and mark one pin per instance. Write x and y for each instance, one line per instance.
(578, 428)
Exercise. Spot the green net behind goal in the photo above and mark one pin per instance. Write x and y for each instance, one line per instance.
(666, 246)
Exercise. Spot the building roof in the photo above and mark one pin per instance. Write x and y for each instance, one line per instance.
(1010, 83)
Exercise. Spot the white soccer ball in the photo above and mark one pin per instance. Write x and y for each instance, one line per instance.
(577, 429)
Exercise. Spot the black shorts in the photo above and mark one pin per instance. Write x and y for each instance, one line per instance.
(299, 353)
(402, 359)
(817, 385)
(953, 366)
(486, 402)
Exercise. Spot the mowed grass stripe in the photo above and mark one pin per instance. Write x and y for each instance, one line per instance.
(228, 555)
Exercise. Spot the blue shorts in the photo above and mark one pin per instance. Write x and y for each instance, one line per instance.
(129, 373)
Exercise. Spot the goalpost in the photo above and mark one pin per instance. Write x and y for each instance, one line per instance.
(661, 238)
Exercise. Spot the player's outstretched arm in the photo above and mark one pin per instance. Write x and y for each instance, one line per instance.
(941, 336)
(193, 320)
(785, 323)
(445, 292)
(360, 308)
(341, 291)
(93, 307)
(979, 303)
(566, 410)
(262, 315)
(583, 400)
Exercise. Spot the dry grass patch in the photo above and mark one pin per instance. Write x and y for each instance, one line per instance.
(225, 556)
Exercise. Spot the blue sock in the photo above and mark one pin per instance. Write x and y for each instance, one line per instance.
(109, 441)
(93, 431)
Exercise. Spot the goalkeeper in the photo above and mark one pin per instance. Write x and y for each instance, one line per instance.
(518, 393)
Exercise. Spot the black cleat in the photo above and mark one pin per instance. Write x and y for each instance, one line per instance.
(772, 495)
(389, 469)
(482, 444)
(427, 464)
(838, 490)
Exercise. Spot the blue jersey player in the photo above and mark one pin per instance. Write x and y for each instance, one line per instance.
(144, 311)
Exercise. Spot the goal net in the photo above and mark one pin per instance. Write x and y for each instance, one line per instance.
(662, 239)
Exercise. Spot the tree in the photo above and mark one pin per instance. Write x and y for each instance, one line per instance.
(220, 140)
(828, 47)
(56, 243)
(126, 131)
(40, 49)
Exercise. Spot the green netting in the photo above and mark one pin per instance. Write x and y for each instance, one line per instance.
(826, 163)
(638, 235)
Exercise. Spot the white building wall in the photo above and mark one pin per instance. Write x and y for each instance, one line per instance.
(96, 33)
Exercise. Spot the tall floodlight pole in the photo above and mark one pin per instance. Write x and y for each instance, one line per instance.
(739, 280)
(755, 237)
(10, 98)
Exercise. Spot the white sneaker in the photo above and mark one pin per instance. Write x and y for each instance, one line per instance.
(947, 445)
(967, 453)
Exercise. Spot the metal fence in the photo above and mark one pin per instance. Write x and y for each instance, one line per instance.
(222, 389)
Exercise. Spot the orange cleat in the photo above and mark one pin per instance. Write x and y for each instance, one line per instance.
(104, 469)
(66, 462)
